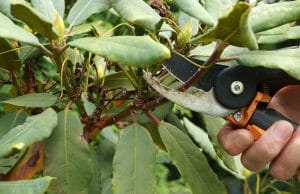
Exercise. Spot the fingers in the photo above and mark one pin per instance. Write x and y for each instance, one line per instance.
(268, 147)
(278, 145)
(288, 162)
(286, 101)
(234, 141)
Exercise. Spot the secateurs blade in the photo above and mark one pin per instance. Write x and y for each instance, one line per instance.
(237, 93)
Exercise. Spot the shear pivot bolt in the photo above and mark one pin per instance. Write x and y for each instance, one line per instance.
(237, 87)
(238, 116)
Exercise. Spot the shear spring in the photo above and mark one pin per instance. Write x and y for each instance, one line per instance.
(265, 88)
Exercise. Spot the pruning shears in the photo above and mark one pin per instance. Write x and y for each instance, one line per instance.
(237, 93)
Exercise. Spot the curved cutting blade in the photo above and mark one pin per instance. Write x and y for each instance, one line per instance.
(201, 101)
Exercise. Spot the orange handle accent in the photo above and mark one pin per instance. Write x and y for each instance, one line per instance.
(255, 131)
(247, 113)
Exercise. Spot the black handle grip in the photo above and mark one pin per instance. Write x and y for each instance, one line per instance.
(264, 118)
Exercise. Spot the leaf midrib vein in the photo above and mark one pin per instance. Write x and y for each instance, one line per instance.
(185, 156)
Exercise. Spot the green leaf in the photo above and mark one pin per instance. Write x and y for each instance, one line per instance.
(103, 159)
(183, 19)
(203, 52)
(290, 34)
(137, 12)
(50, 14)
(208, 142)
(233, 28)
(185, 34)
(59, 6)
(7, 27)
(277, 30)
(9, 57)
(36, 128)
(11, 120)
(95, 185)
(107, 187)
(267, 16)
(34, 186)
(213, 126)
(217, 8)
(5, 7)
(89, 27)
(195, 9)
(127, 50)
(191, 163)
(33, 100)
(134, 162)
(45, 7)
(83, 9)
(89, 107)
(201, 137)
(67, 156)
(7, 163)
(285, 59)
(36, 20)
(117, 80)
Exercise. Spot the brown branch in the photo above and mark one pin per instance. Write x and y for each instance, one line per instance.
(214, 57)
(152, 117)
(90, 131)
(135, 120)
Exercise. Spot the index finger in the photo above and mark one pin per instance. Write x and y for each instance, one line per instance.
(234, 141)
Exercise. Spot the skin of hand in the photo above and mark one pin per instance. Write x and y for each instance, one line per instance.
(279, 145)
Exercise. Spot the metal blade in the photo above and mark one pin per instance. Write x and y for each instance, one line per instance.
(183, 69)
(201, 101)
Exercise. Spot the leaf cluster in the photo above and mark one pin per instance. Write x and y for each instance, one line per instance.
(77, 115)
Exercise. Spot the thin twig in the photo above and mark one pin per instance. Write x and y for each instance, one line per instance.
(46, 51)
(215, 56)
(133, 116)
(152, 117)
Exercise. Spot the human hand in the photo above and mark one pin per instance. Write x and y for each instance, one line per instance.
(278, 146)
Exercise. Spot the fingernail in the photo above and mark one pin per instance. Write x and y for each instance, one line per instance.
(283, 130)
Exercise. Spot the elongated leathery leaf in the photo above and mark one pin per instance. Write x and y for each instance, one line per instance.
(233, 28)
(34, 19)
(290, 34)
(189, 160)
(5, 7)
(267, 16)
(213, 126)
(6, 164)
(127, 50)
(102, 160)
(118, 80)
(9, 58)
(36, 128)
(133, 171)
(34, 186)
(33, 100)
(19, 34)
(217, 8)
(11, 120)
(50, 14)
(184, 18)
(7, 122)
(285, 59)
(45, 7)
(67, 156)
(195, 9)
(137, 12)
(83, 9)
(59, 6)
